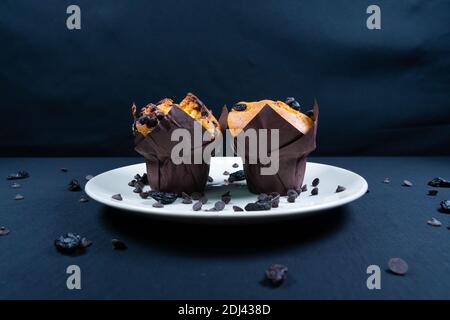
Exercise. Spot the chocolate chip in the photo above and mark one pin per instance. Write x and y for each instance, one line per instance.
(235, 165)
(204, 113)
(117, 197)
(144, 195)
(291, 198)
(18, 175)
(315, 191)
(292, 193)
(315, 182)
(310, 113)
(219, 205)
(64, 169)
(432, 193)
(160, 115)
(84, 243)
(304, 188)
(89, 177)
(264, 197)
(74, 185)
(226, 173)
(137, 188)
(237, 209)
(258, 206)
(203, 199)
(158, 205)
(398, 266)
(15, 185)
(407, 183)
(118, 244)
(132, 183)
(240, 106)
(68, 243)
(164, 197)
(236, 176)
(186, 198)
(4, 231)
(226, 199)
(387, 180)
(151, 122)
(340, 189)
(210, 179)
(434, 222)
(197, 206)
(276, 201)
(19, 197)
(196, 195)
(293, 103)
(83, 199)
(445, 206)
(439, 183)
(276, 274)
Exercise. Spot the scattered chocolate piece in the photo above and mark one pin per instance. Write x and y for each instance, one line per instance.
(276, 201)
(18, 175)
(277, 274)
(315, 182)
(164, 197)
(432, 193)
(258, 206)
(4, 231)
(15, 185)
(196, 195)
(264, 197)
(387, 180)
(226, 173)
(310, 113)
(434, 222)
(292, 193)
(236, 176)
(132, 183)
(237, 209)
(445, 206)
(64, 169)
(83, 199)
(138, 188)
(340, 189)
(197, 206)
(274, 195)
(407, 183)
(118, 244)
(85, 242)
(186, 198)
(219, 205)
(240, 107)
(210, 179)
(68, 243)
(398, 266)
(291, 198)
(117, 197)
(89, 177)
(304, 188)
(291, 102)
(315, 191)
(203, 199)
(235, 165)
(158, 205)
(19, 197)
(439, 183)
(226, 199)
(144, 195)
(74, 185)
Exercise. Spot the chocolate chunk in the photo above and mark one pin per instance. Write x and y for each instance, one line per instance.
(237, 209)
(226, 199)
(144, 195)
(219, 205)
(407, 183)
(118, 244)
(432, 193)
(203, 199)
(197, 206)
(387, 180)
(276, 202)
(240, 107)
(445, 206)
(210, 179)
(137, 188)
(291, 102)
(68, 243)
(258, 206)
(163, 197)
(15, 185)
(304, 188)
(434, 222)
(186, 198)
(264, 197)
(398, 266)
(84, 243)
(315, 191)
(292, 193)
(74, 185)
(196, 195)
(4, 231)
(18, 175)
(277, 274)
(340, 189)
(89, 177)
(235, 165)
(83, 199)
(158, 205)
(439, 183)
(226, 173)
(64, 169)
(315, 182)
(19, 197)
(132, 183)
(291, 198)
(237, 176)
(117, 197)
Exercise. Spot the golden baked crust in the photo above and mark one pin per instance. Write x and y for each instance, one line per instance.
(238, 120)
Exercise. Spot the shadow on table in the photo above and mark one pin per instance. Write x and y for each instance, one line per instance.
(209, 240)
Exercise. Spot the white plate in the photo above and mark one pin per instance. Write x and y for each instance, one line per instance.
(103, 186)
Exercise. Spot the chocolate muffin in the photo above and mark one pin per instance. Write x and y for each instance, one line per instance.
(153, 127)
(297, 138)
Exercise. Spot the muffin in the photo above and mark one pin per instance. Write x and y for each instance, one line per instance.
(297, 139)
(153, 127)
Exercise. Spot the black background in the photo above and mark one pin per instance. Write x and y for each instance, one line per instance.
(382, 92)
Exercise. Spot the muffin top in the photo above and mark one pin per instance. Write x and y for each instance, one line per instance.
(150, 115)
(243, 112)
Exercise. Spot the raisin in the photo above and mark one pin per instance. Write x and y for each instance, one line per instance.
(240, 106)
(74, 185)
(18, 175)
(277, 274)
(237, 176)
(163, 197)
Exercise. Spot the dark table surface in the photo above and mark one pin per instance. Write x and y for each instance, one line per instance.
(327, 254)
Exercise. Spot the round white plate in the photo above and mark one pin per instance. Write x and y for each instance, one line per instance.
(103, 186)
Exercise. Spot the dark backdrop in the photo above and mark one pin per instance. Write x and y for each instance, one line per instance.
(69, 92)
